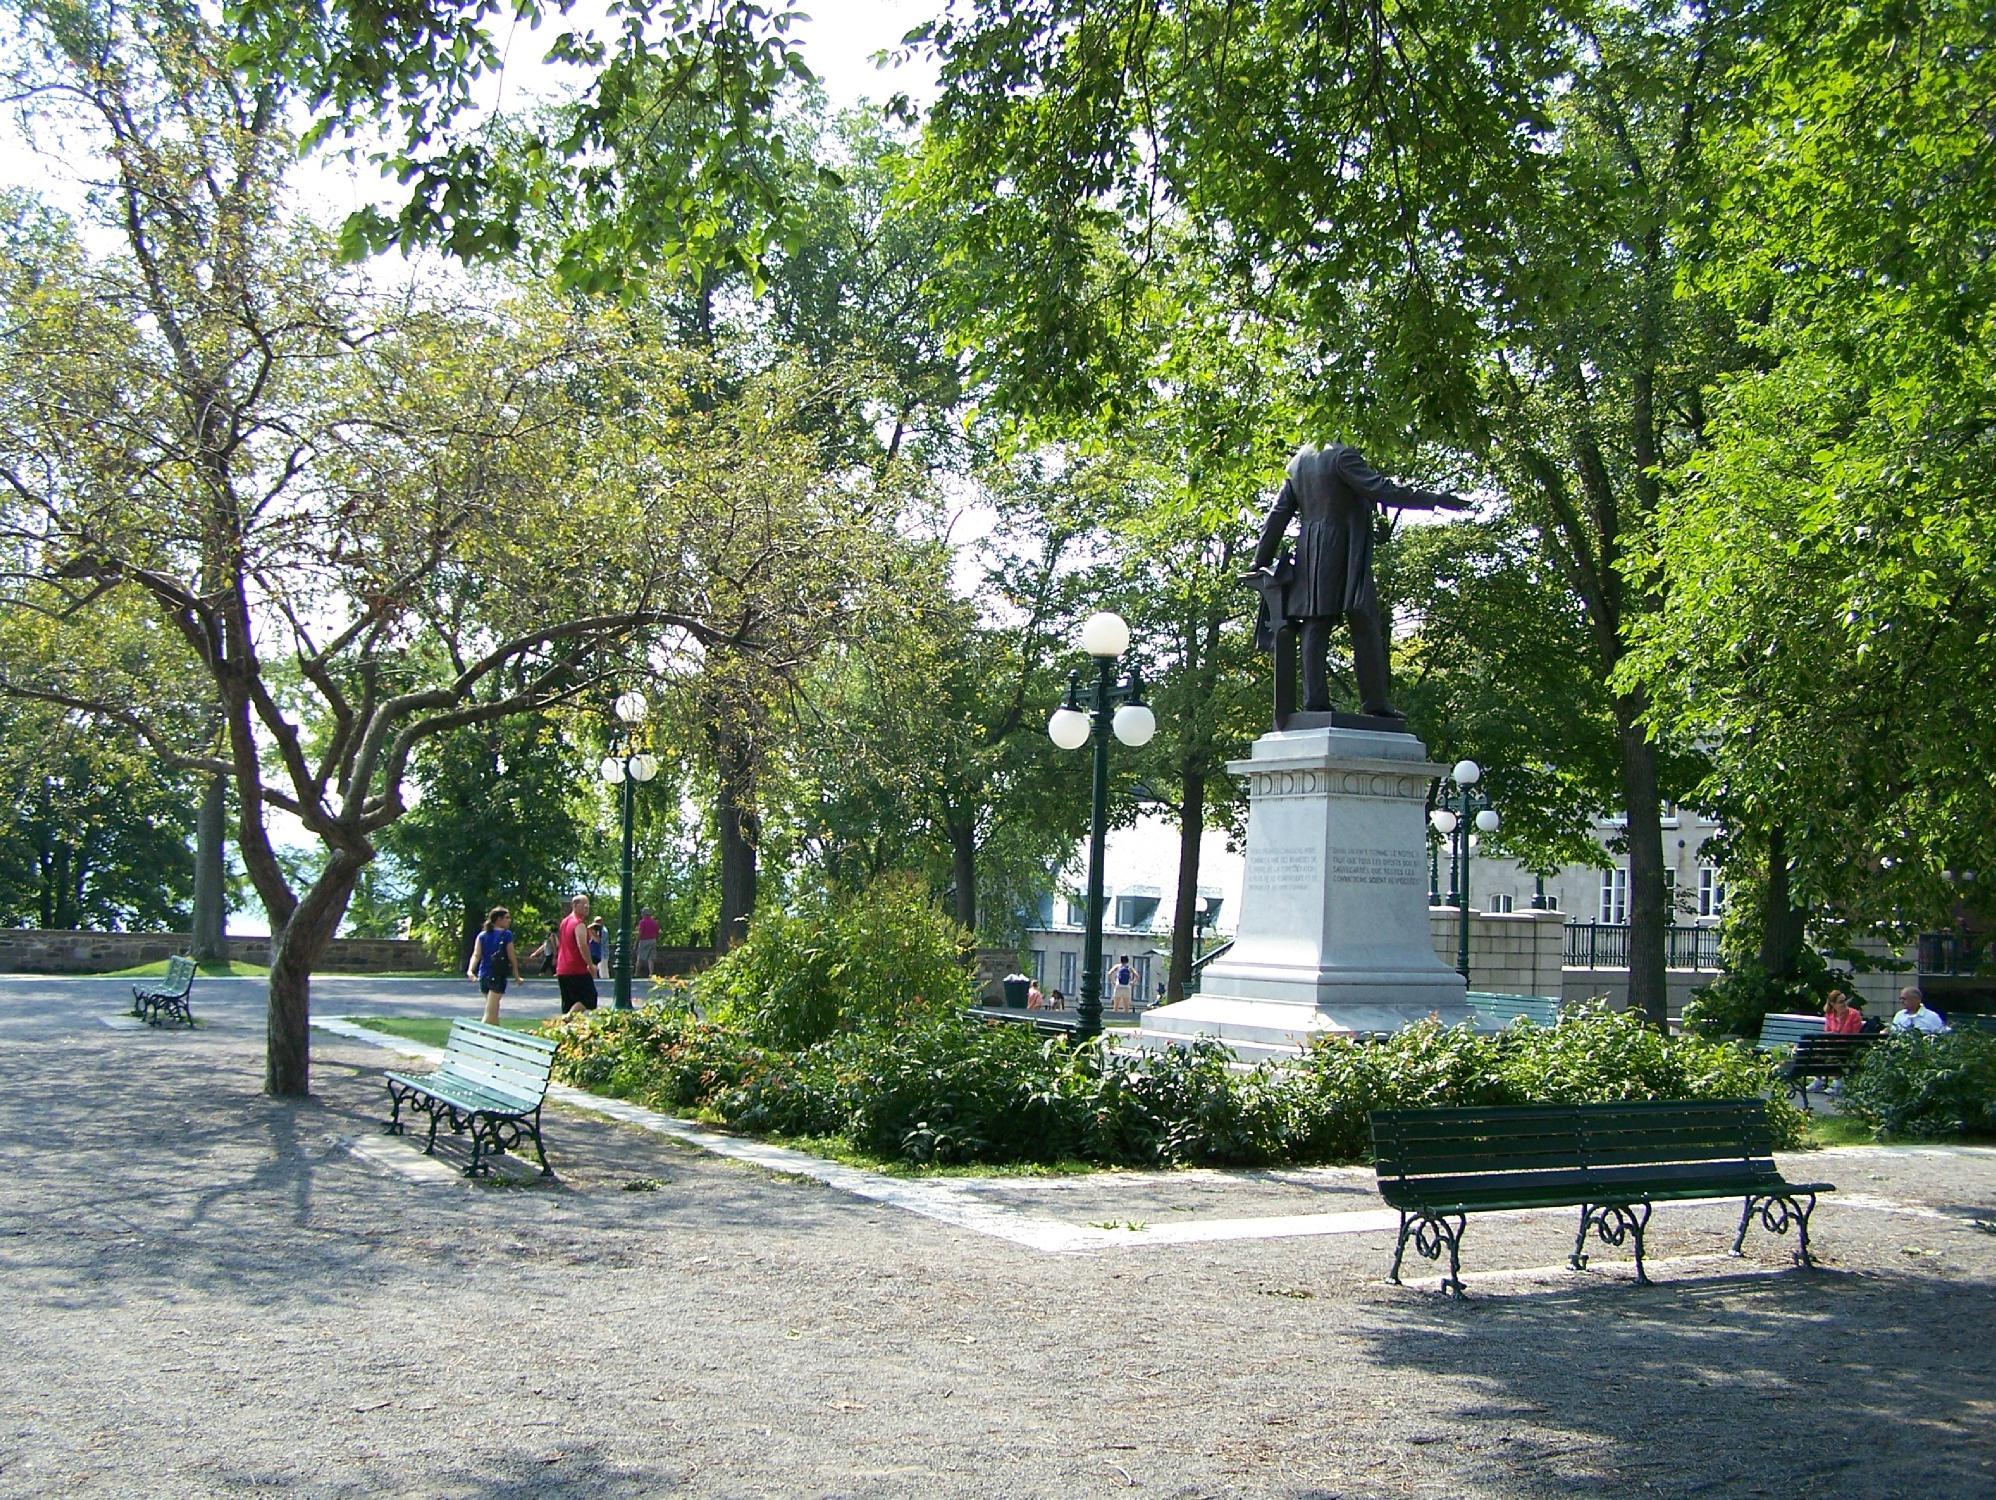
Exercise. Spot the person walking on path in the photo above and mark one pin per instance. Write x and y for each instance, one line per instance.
(647, 945)
(494, 960)
(572, 970)
(545, 953)
(1034, 999)
(599, 949)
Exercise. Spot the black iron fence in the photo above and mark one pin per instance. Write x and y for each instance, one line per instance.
(1605, 945)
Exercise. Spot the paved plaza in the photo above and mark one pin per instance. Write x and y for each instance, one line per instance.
(209, 1292)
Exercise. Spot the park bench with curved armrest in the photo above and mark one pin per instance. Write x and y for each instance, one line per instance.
(491, 1081)
(1502, 1010)
(1611, 1161)
(1824, 1054)
(171, 998)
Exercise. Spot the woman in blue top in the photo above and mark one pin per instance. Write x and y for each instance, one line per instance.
(493, 960)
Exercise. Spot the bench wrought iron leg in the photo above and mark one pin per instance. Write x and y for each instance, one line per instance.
(1614, 1224)
(534, 1128)
(395, 1097)
(1400, 1248)
(480, 1127)
(1779, 1212)
(430, 1145)
(1432, 1234)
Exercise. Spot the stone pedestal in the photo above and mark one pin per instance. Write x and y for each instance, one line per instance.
(1333, 935)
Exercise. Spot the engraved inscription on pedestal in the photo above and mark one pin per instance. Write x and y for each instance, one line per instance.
(1281, 871)
(1394, 866)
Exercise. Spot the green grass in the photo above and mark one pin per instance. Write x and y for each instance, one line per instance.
(838, 1149)
(211, 968)
(1837, 1130)
(431, 1031)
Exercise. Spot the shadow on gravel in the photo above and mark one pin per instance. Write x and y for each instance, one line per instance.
(543, 1462)
(139, 1174)
(1824, 1383)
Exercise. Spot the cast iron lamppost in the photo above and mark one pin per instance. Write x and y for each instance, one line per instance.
(626, 770)
(1104, 637)
(1471, 802)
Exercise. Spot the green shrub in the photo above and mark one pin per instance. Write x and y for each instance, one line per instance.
(662, 1056)
(841, 963)
(1423, 1066)
(1927, 1087)
(942, 1090)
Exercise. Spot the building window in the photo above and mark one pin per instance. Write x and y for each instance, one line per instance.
(1039, 965)
(1135, 912)
(1614, 897)
(1500, 903)
(1068, 964)
(1077, 913)
(1711, 891)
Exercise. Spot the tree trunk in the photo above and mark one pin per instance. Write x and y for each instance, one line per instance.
(1184, 914)
(470, 923)
(294, 951)
(963, 869)
(1648, 908)
(209, 942)
(738, 829)
(1781, 922)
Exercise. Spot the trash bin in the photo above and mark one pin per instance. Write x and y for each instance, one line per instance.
(1016, 986)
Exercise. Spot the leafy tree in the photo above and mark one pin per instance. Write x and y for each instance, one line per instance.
(342, 512)
(1827, 561)
(662, 160)
(1474, 215)
(497, 821)
(92, 834)
(922, 745)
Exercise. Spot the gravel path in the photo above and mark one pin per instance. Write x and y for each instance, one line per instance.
(207, 1292)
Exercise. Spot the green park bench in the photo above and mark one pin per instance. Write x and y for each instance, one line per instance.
(491, 1081)
(1040, 1021)
(1611, 1161)
(171, 998)
(1502, 1010)
(1778, 1029)
(1823, 1055)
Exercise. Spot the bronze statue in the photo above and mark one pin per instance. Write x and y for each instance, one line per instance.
(1334, 492)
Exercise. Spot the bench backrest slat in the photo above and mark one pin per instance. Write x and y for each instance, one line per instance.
(1785, 1029)
(508, 1061)
(1540, 1010)
(1675, 1136)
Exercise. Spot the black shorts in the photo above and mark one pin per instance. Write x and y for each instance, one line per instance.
(577, 990)
(495, 982)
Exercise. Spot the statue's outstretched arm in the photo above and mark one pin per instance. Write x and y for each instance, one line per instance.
(1375, 486)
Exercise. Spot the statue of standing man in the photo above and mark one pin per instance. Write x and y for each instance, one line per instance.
(1334, 492)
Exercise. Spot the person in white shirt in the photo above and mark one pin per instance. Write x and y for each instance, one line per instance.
(1913, 1013)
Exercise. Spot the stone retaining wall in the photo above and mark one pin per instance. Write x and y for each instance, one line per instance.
(30, 950)
(1510, 953)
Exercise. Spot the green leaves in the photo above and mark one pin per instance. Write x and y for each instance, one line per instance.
(664, 160)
